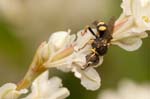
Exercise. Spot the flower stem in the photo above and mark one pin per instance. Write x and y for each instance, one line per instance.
(35, 69)
(29, 77)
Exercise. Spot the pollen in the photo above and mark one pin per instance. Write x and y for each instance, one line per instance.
(146, 19)
(102, 28)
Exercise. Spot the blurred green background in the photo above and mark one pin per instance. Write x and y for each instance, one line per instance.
(24, 24)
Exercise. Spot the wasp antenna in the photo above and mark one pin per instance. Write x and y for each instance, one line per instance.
(92, 32)
(95, 22)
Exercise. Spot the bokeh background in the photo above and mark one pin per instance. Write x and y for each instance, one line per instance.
(24, 24)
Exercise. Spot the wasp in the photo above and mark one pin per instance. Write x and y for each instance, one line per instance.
(100, 42)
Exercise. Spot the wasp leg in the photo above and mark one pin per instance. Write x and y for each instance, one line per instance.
(85, 30)
(90, 29)
(94, 51)
(89, 42)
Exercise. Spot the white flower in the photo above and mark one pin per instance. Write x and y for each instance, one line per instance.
(127, 90)
(8, 91)
(44, 88)
(132, 24)
(139, 10)
(69, 54)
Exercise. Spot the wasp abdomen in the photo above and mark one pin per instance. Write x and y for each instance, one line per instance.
(92, 59)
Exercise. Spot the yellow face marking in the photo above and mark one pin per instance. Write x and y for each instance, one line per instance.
(102, 28)
(101, 23)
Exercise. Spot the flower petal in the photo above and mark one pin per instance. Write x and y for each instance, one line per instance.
(8, 91)
(126, 6)
(60, 40)
(57, 39)
(126, 26)
(90, 79)
(129, 44)
(60, 94)
(44, 88)
(57, 91)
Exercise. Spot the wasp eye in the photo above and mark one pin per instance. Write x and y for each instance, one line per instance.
(102, 28)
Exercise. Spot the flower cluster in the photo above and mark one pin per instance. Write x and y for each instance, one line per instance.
(42, 88)
(67, 52)
(132, 24)
(75, 60)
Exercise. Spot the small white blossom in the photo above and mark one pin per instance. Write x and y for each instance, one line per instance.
(44, 88)
(132, 24)
(139, 10)
(127, 90)
(69, 54)
(8, 91)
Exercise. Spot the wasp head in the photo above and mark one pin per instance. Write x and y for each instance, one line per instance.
(101, 27)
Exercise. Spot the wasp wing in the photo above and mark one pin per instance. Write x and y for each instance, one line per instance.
(111, 25)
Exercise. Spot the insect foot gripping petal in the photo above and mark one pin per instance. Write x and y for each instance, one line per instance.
(91, 60)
